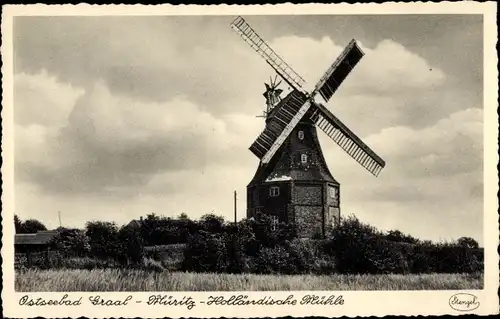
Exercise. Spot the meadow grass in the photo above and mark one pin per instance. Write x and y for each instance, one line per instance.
(139, 280)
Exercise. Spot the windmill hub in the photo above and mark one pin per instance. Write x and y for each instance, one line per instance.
(272, 95)
(293, 183)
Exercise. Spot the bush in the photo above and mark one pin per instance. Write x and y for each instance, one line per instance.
(131, 247)
(30, 226)
(467, 242)
(71, 242)
(46, 259)
(304, 254)
(264, 234)
(360, 248)
(398, 236)
(87, 263)
(170, 256)
(212, 223)
(390, 257)
(104, 240)
(206, 252)
(252, 246)
(157, 230)
(290, 257)
(274, 260)
(353, 247)
(152, 265)
(324, 265)
(20, 261)
(18, 224)
(455, 258)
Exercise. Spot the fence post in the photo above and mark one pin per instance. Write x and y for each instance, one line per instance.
(29, 258)
(47, 257)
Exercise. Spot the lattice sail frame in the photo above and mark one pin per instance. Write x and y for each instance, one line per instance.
(299, 102)
(274, 60)
(347, 140)
(339, 70)
(279, 124)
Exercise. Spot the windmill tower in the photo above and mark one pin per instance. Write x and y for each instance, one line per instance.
(293, 183)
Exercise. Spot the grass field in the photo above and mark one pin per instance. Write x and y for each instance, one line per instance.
(139, 280)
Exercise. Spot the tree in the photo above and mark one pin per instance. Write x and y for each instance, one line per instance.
(131, 245)
(185, 227)
(266, 236)
(212, 223)
(103, 237)
(32, 226)
(398, 236)
(149, 225)
(71, 241)
(18, 224)
(206, 252)
(353, 245)
(468, 242)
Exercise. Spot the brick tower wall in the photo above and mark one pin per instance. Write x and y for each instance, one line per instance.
(308, 208)
(259, 199)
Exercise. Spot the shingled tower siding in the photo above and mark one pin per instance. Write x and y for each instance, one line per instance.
(333, 205)
(300, 172)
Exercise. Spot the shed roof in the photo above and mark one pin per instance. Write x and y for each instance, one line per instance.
(39, 238)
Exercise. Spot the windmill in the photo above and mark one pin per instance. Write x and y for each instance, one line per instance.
(293, 182)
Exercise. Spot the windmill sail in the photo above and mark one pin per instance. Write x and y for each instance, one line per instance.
(275, 61)
(347, 140)
(338, 71)
(276, 130)
(294, 107)
(326, 86)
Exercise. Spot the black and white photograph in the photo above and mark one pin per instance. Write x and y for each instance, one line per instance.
(251, 152)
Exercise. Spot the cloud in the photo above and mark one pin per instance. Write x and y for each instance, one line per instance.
(388, 68)
(151, 59)
(43, 100)
(395, 69)
(453, 145)
(108, 142)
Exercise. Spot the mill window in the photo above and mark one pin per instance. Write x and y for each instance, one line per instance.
(333, 191)
(274, 223)
(303, 158)
(301, 135)
(274, 191)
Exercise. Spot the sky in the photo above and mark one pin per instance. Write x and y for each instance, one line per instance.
(118, 117)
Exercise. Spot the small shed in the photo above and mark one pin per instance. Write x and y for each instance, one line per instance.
(37, 241)
(32, 245)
